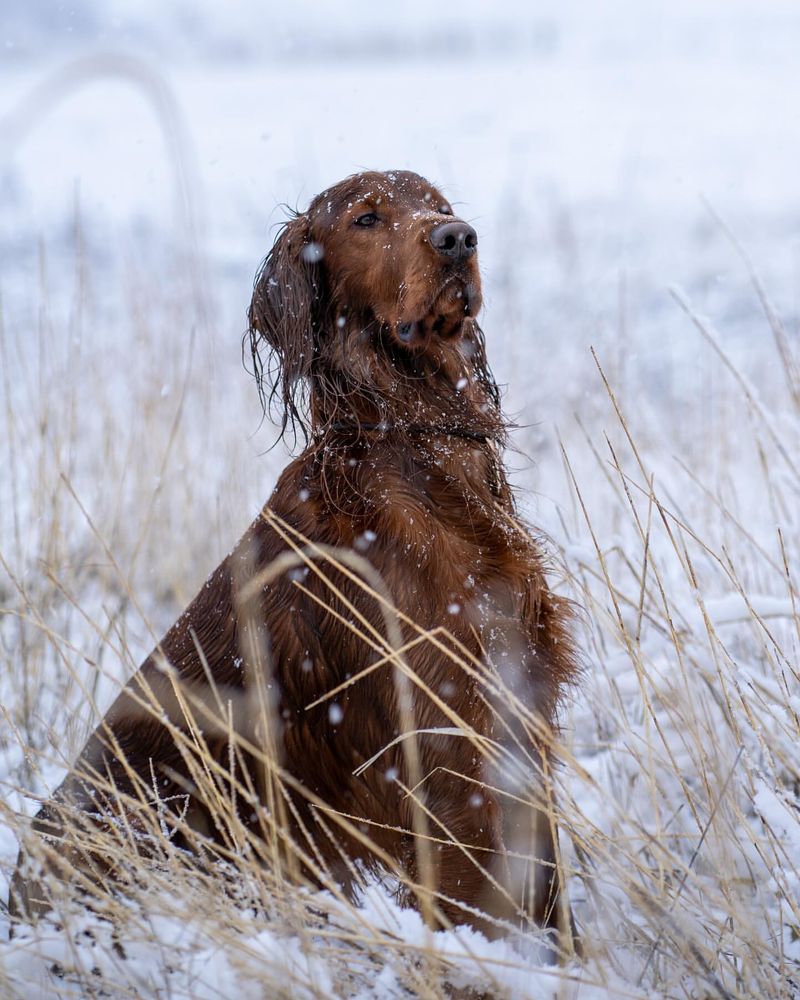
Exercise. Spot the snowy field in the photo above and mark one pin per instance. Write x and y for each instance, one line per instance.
(632, 175)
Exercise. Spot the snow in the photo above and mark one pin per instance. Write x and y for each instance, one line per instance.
(600, 152)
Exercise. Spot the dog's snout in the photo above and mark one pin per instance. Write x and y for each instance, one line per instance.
(454, 239)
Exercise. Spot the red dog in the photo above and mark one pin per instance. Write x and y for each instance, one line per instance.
(366, 304)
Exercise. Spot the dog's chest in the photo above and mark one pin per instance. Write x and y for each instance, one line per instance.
(446, 545)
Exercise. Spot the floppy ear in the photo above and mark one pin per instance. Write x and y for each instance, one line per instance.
(283, 316)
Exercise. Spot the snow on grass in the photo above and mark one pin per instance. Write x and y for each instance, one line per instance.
(662, 468)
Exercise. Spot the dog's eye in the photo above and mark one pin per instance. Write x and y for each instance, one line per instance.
(368, 219)
(445, 210)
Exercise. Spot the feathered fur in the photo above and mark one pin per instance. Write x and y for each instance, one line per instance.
(362, 333)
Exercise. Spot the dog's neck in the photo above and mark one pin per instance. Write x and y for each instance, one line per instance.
(354, 428)
(446, 390)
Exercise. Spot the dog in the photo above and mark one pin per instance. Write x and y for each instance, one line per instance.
(383, 638)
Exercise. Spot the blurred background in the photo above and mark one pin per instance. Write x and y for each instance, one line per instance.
(632, 171)
(582, 139)
(610, 156)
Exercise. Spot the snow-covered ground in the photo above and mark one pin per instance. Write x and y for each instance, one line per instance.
(623, 166)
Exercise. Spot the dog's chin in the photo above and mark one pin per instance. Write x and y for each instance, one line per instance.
(444, 319)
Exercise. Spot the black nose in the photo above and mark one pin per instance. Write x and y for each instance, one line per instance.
(455, 239)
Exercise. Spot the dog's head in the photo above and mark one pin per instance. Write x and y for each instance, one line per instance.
(378, 264)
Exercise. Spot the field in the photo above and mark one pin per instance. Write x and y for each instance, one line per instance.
(633, 183)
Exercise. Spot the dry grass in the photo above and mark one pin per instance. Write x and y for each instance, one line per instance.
(678, 796)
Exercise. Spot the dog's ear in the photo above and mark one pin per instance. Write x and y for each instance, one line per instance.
(283, 316)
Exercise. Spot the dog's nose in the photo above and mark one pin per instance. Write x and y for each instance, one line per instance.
(455, 239)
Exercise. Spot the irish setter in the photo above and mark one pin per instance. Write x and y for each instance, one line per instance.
(383, 633)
